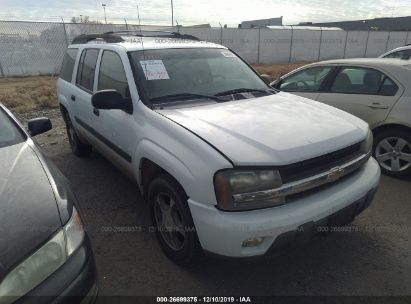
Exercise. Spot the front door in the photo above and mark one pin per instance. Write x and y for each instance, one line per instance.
(364, 92)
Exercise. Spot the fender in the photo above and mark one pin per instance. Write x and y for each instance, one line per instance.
(166, 160)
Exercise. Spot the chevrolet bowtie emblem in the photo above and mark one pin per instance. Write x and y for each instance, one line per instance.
(335, 174)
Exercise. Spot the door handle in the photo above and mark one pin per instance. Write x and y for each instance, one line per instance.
(377, 105)
(73, 98)
(96, 112)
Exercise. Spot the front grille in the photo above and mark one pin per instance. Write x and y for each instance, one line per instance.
(311, 167)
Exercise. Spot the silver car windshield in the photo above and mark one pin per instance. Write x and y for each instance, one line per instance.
(165, 75)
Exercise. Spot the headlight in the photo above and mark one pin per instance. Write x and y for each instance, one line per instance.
(366, 146)
(42, 263)
(245, 189)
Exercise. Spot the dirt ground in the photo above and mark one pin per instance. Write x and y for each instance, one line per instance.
(372, 259)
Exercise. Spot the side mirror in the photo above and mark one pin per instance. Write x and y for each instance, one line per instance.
(39, 125)
(276, 83)
(111, 100)
(267, 79)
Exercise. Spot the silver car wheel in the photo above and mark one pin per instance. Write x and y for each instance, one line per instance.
(393, 154)
(169, 221)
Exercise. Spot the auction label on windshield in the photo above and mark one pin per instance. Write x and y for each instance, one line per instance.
(154, 69)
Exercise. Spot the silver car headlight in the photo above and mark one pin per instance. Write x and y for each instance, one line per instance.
(42, 263)
(366, 146)
(245, 189)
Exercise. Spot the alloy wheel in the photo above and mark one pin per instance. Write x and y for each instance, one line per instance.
(169, 220)
(393, 154)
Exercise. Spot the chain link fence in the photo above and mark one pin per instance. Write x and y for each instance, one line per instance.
(36, 48)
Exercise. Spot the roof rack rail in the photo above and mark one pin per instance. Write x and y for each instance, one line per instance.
(107, 37)
(160, 34)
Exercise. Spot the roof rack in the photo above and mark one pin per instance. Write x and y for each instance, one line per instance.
(84, 38)
(114, 36)
(160, 34)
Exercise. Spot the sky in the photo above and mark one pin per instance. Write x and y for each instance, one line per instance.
(190, 12)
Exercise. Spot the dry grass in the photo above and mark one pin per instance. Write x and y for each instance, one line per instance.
(277, 70)
(24, 94)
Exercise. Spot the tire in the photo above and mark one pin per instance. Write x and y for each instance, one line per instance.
(172, 221)
(79, 148)
(392, 150)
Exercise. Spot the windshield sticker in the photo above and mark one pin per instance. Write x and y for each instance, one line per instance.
(154, 69)
(227, 54)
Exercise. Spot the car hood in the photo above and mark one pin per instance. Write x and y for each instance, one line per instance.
(28, 211)
(278, 129)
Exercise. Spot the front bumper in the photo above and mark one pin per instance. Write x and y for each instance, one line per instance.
(74, 282)
(223, 233)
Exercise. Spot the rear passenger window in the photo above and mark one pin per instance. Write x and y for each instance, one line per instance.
(67, 66)
(86, 69)
(112, 75)
(357, 80)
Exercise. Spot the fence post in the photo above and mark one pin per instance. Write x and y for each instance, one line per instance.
(366, 44)
(65, 32)
(388, 40)
(291, 42)
(321, 40)
(345, 46)
(1, 70)
(221, 33)
(259, 43)
(125, 21)
(406, 38)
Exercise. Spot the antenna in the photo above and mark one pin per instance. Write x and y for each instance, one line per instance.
(142, 43)
(144, 66)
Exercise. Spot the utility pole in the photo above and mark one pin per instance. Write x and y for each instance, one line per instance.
(104, 8)
(172, 14)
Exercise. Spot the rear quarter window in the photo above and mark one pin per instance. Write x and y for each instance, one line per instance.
(67, 66)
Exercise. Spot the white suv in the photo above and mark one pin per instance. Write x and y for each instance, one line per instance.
(227, 164)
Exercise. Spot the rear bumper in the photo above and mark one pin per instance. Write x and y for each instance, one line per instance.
(223, 233)
(74, 282)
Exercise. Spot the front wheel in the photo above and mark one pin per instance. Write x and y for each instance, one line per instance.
(172, 220)
(392, 150)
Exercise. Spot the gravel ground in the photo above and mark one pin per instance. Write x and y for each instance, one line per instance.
(373, 260)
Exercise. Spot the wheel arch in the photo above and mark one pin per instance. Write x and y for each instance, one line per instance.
(381, 128)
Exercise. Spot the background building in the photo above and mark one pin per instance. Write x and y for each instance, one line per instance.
(261, 22)
(376, 24)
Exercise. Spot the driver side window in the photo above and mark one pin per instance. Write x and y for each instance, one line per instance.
(307, 80)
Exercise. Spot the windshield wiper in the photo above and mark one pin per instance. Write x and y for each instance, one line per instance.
(243, 90)
(185, 96)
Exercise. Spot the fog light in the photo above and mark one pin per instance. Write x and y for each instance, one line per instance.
(252, 242)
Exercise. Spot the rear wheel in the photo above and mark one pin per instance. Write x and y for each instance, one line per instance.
(172, 220)
(77, 146)
(392, 150)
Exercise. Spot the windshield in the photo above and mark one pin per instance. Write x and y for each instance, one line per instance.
(9, 133)
(195, 73)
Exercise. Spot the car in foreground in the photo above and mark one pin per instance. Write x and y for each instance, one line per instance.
(403, 52)
(375, 90)
(45, 255)
(227, 165)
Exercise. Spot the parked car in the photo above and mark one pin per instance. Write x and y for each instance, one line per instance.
(45, 255)
(227, 165)
(375, 90)
(403, 52)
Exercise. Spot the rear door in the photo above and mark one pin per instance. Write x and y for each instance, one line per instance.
(365, 92)
(82, 91)
(307, 82)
